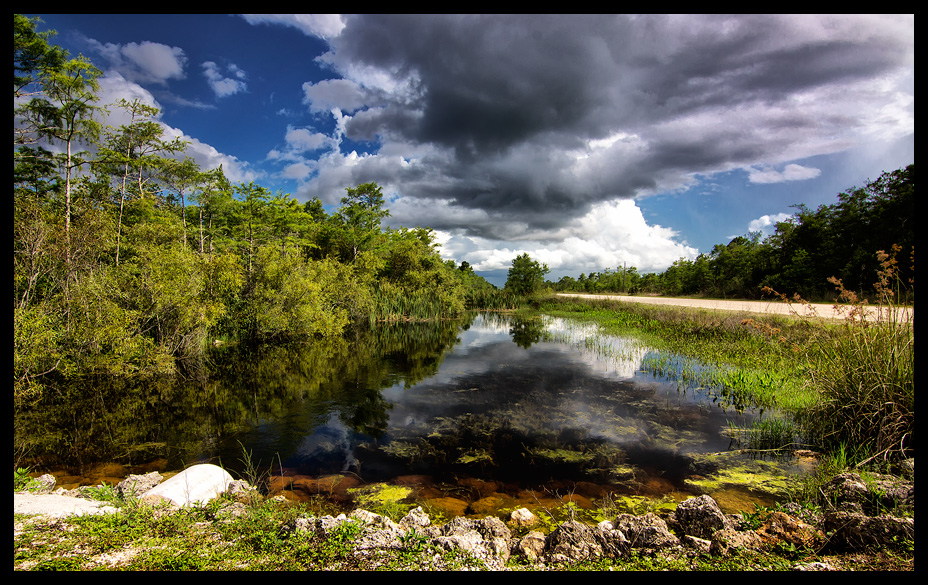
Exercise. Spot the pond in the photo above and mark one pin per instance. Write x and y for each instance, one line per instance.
(467, 417)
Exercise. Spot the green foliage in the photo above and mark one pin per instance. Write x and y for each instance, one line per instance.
(865, 372)
(802, 254)
(22, 481)
(129, 257)
(526, 276)
(292, 297)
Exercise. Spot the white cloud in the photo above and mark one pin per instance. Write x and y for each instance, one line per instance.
(298, 171)
(764, 222)
(144, 62)
(224, 86)
(302, 139)
(330, 94)
(321, 25)
(613, 233)
(792, 172)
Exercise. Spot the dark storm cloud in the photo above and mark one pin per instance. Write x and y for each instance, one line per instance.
(506, 107)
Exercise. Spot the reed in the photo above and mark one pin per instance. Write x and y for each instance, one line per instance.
(863, 373)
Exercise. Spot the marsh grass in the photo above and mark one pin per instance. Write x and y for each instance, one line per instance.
(731, 355)
(849, 382)
(768, 434)
(863, 372)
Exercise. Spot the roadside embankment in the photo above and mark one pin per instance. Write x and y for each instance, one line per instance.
(768, 307)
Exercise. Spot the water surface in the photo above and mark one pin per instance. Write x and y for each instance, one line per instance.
(518, 404)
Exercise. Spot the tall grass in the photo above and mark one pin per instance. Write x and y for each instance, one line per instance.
(863, 373)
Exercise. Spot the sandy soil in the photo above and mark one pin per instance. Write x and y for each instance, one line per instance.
(769, 307)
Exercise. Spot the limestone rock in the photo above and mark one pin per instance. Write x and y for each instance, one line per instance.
(522, 518)
(782, 528)
(531, 546)
(850, 530)
(572, 541)
(135, 485)
(195, 485)
(416, 519)
(699, 517)
(487, 538)
(648, 531)
(728, 539)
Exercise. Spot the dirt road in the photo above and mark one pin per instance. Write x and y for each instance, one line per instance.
(769, 307)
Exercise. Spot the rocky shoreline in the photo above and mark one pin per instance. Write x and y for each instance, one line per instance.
(868, 512)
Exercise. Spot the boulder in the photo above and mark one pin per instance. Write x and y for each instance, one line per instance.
(487, 538)
(572, 541)
(135, 485)
(522, 518)
(699, 517)
(44, 484)
(647, 531)
(195, 485)
(416, 519)
(875, 494)
(531, 546)
(780, 528)
(724, 541)
(852, 530)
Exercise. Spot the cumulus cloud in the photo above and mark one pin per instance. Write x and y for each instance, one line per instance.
(507, 97)
(612, 234)
(223, 85)
(144, 62)
(320, 25)
(764, 223)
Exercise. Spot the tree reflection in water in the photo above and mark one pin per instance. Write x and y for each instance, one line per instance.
(489, 396)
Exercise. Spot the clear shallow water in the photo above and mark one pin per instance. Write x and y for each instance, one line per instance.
(520, 403)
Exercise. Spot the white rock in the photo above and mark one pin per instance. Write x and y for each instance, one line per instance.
(195, 485)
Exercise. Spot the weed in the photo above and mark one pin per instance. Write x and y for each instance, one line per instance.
(863, 373)
(22, 481)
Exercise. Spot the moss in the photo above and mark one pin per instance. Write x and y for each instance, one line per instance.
(475, 456)
(378, 495)
(733, 470)
(563, 455)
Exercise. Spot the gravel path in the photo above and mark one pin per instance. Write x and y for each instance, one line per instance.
(769, 307)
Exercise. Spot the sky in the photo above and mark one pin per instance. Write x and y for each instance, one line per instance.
(590, 142)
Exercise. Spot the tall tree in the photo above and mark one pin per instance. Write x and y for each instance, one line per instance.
(181, 177)
(134, 150)
(68, 109)
(361, 214)
(526, 275)
(254, 201)
(34, 61)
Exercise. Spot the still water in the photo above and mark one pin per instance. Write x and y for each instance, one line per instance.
(490, 400)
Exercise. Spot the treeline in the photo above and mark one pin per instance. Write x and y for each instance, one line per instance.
(841, 240)
(127, 256)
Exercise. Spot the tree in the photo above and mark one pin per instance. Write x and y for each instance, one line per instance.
(182, 176)
(359, 217)
(254, 211)
(526, 275)
(34, 61)
(67, 115)
(132, 149)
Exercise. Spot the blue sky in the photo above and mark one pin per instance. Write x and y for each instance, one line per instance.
(588, 142)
